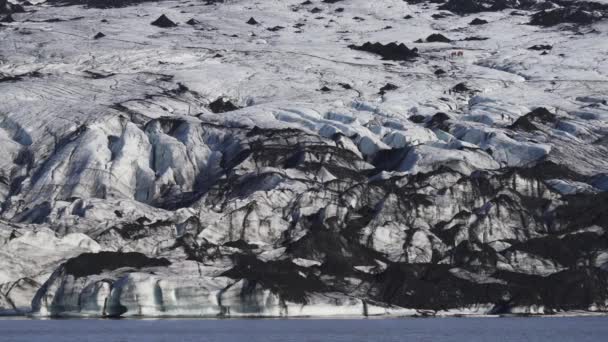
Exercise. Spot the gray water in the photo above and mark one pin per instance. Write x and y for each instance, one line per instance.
(576, 329)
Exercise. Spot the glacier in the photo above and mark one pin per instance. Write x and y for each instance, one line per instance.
(322, 159)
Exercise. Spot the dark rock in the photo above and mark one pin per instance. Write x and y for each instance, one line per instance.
(417, 118)
(475, 6)
(408, 17)
(316, 10)
(163, 22)
(564, 15)
(437, 38)
(222, 105)
(461, 88)
(539, 116)
(391, 51)
(465, 6)
(478, 21)
(346, 86)
(252, 21)
(475, 39)
(387, 87)
(540, 47)
(440, 15)
(325, 89)
(439, 121)
(192, 22)
(99, 35)
(439, 72)
(275, 28)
